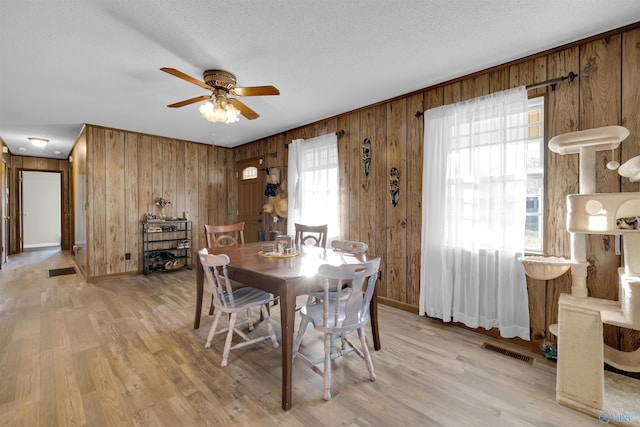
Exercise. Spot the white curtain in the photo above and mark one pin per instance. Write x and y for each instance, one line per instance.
(474, 209)
(313, 184)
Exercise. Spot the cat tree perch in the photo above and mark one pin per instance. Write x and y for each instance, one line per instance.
(580, 381)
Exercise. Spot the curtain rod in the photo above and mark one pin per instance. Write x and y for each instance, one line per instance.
(339, 133)
(553, 82)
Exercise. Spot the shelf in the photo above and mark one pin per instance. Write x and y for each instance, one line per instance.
(160, 240)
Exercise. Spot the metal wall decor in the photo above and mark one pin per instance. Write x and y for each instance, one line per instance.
(394, 185)
(366, 156)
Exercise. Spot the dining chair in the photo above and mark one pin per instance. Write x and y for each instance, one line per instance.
(347, 246)
(233, 301)
(224, 235)
(340, 316)
(315, 235)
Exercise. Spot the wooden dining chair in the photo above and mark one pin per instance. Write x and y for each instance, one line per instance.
(337, 316)
(315, 235)
(224, 235)
(233, 301)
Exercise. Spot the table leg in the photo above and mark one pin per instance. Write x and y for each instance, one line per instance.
(287, 316)
(199, 290)
(373, 318)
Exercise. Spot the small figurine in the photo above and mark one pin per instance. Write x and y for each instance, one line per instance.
(394, 185)
(366, 156)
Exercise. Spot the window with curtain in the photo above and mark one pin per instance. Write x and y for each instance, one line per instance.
(313, 184)
(474, 213)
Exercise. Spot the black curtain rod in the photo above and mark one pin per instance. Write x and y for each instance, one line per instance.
(553, 82)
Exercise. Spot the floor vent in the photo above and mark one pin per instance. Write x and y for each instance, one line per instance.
(519, 356)
(62, 271)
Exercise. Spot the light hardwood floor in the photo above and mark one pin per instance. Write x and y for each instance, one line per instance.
(122, 352)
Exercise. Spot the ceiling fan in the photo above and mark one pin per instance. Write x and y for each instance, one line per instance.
(221, 84)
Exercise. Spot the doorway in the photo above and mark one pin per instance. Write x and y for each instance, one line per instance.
(41, 209)
(250, 196)
(4, 213)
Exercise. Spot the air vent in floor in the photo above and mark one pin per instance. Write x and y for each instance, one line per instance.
(513, 354)
(62, 271)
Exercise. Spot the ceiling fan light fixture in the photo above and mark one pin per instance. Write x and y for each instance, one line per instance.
(219, 110)
(38, 142)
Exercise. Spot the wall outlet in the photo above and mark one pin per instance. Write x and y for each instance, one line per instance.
(127, 256)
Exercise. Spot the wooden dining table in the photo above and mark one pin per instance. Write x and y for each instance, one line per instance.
(285, 278)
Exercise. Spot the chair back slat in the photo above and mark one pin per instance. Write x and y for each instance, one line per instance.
(224, 235)
(350, 246)
(215, 270)
(353, 309)
(315, 235)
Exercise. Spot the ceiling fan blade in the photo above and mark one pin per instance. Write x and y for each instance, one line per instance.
(189, 101)
(186, 77)
(255, 91)
(244, 110)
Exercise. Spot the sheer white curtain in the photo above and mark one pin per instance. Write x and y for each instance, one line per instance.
(313, 184)
(474, 209)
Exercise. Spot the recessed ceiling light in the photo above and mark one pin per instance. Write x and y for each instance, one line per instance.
(22, 149)
(57, 152)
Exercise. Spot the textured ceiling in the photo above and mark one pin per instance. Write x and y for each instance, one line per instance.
(65, 63)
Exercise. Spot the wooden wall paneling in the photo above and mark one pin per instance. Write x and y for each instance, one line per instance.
(344, 179)
(367, 203)
(96, 241)
(146, 192)
(352, 139)
(169, 175)
(32, 163)
(452, 93)
(561, 173)
(414, 154)
(221, 212)
(209, 172)
(600, 101)
(180, 198)
(205, 190)
(133, 210)
(630, 89)
(397, 215)
(157, 174)
(115, 189)
(536, 292)
(475, 86)
(231, 185)
(600, 66)
(191, 191)
(65, 179)
(52, 164)
(499, 80)
(14, 204)
(380, 177)
(529, 72)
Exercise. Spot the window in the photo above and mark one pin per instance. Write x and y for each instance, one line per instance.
(314, 184)
(533, 240)
(249, 173)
